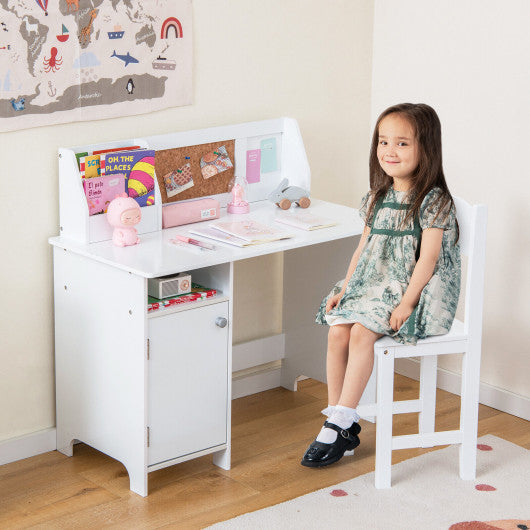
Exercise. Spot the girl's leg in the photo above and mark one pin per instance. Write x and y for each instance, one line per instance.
(360, 365)
(337, 359)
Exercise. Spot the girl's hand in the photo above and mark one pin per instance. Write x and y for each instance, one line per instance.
(332, 302)
(399, 315)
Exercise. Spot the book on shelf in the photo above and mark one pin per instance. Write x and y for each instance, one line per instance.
(304, 220)
(218, 235)
(99, 191)
(116, 149)
(251, 231)
(198, 293)
(90, 166)
(138, 165)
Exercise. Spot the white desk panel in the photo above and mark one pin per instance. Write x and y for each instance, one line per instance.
(155, 256)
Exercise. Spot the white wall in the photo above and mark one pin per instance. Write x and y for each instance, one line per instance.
(469, 60)
(253, 60)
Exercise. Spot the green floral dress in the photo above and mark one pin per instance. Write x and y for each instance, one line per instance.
(385, 267)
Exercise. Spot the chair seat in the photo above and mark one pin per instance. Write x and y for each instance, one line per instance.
(456, 333)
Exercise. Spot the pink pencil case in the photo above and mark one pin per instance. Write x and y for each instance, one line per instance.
(182, 213)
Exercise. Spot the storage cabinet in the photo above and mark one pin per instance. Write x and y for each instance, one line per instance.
(130, 383)
(188, 373)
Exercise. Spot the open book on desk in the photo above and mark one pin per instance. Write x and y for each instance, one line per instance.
(241, 233)
(218, 235)
(304, 220)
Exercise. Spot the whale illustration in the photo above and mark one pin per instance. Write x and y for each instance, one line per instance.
(125, 58)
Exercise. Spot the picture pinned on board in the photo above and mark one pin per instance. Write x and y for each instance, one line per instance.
(215, 162)
(178, 180)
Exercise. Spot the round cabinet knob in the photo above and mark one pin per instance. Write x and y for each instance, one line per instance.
(221, 322)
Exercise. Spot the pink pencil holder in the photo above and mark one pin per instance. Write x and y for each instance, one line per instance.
(182, 213)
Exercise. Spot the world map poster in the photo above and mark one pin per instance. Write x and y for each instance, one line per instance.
(80, 60)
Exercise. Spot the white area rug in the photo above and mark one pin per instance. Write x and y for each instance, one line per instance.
(426, 493)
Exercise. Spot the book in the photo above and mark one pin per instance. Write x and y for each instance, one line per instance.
(90, 166)
(218, 235)
(116, 149)
(304, 220)
(138, 165)
(99, 191)
(78, 157)
(251, 231)
(198, 292)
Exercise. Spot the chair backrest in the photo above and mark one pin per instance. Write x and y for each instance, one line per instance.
(472, 221)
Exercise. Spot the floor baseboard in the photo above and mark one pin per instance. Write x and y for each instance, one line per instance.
(490, 395)
(27, 445)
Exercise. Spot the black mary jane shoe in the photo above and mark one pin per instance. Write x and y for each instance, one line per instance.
(320, 454)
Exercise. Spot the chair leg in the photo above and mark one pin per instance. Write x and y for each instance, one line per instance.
(427, 395)
(469, 413)
(385, 398)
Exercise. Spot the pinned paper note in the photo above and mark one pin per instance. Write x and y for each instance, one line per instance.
(268, 155)
(179, 180)
(253, 166)
(215, 162)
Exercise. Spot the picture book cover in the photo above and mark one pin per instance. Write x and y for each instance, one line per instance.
(251, 231)
(78, 157)
(139, 169)
(304, 220)
(99, 191)
(89, 166)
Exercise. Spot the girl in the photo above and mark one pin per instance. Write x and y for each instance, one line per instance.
(404, 276)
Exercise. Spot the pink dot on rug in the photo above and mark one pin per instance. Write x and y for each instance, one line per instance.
(338, 493)
(484, 487)
(484, 447)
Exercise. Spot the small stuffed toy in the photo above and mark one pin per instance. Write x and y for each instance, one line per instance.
(123, 213)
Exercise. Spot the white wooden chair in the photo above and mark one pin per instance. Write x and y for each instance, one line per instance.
(464, 337)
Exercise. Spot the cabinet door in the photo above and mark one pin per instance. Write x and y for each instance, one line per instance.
(188, 379)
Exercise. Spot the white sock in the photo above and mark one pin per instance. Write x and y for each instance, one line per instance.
(341, 416)
(328, 411)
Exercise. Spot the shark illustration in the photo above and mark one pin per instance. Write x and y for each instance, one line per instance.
(125, 58)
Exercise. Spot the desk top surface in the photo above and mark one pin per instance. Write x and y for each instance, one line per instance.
(155, 256)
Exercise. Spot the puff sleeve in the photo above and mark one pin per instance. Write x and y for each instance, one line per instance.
(432, 216)
(363, 208)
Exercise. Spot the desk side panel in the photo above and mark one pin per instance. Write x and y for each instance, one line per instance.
(100, 355)
(309, 274)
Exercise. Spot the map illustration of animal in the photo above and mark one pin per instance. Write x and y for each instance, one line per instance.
(72, 60)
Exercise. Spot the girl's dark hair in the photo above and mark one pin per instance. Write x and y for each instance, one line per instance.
(429, 173)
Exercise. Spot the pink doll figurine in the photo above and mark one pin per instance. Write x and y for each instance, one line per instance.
(123, 213)
(238, 203)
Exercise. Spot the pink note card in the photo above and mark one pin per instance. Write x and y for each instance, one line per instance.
(253, 165)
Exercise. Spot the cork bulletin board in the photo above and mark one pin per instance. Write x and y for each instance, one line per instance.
(195, 171)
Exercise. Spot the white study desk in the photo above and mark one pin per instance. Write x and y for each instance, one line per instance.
(125, 378)
(128, 382)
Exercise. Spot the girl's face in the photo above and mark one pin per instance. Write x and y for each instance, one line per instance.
(397, 151)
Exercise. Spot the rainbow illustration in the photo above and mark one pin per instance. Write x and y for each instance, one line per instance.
(169, 23)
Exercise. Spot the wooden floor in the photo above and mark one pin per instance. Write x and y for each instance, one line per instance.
(270, 432)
